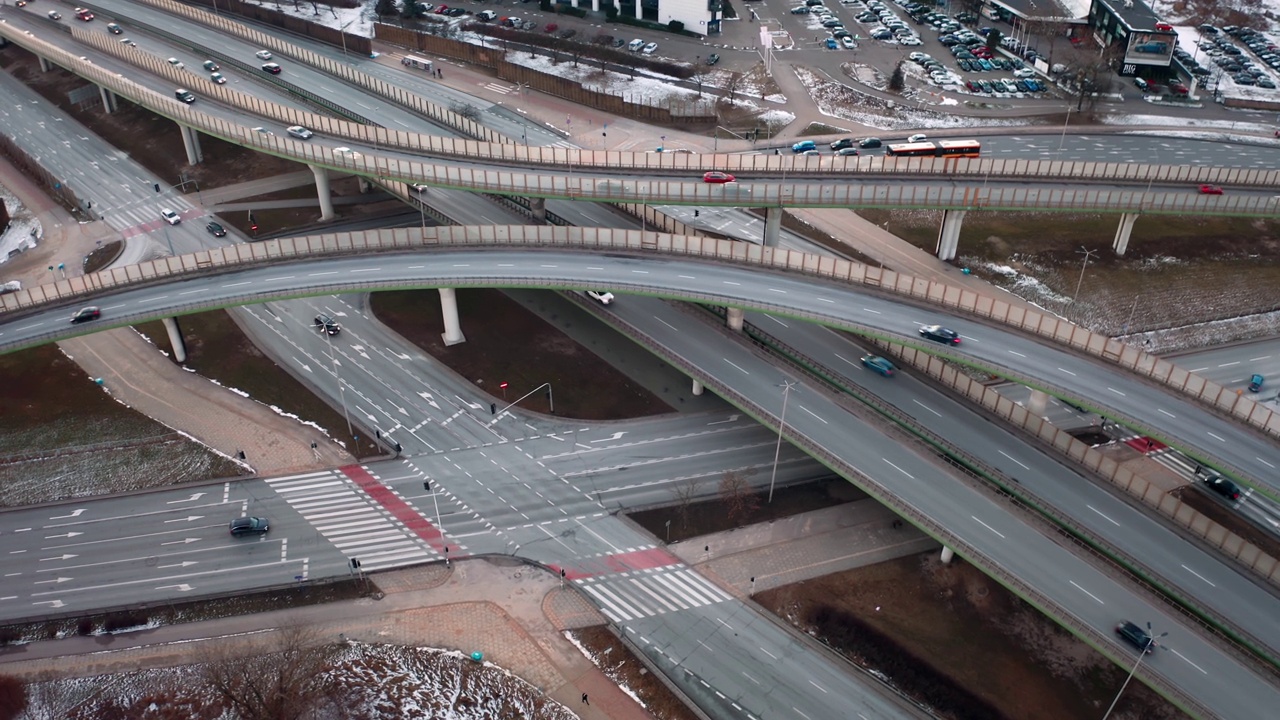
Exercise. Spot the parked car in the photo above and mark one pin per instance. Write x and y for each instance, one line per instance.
(1222, 486)
(716, 176)
(1255, 383)
(941, 334)
(713, 58)
(878, 364)
(327, 324)
(550, 28)
(1135, 636)
(650, 48)
(85, 314)
(249, 526)
(567, 33)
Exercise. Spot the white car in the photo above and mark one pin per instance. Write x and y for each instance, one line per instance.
(1024, 73)
(299, 132)
(910, 40)
(848, 42)
(346, 152)
(170, 216)
(176, 63)
(263, 54)
(650, 48)
(918, 137)
(603, 296)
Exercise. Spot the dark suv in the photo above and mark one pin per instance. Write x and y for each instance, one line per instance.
(249, 526)
(937, 333)
(1223, 487)
(1135, 636)
(327, 324)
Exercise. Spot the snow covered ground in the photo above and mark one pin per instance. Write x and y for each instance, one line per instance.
(24, 229)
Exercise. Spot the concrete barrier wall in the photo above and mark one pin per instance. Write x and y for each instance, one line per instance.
(1230, 544)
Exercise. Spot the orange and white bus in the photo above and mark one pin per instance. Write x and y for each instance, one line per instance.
(941, 148)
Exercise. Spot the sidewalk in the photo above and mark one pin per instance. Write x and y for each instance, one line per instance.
(513, 613)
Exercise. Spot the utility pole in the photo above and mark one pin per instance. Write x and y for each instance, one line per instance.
(1087, 254)
(777, 451)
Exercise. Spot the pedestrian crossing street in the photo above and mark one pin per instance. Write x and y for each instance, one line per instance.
(146, 213)
(348, 519)
(653, 591)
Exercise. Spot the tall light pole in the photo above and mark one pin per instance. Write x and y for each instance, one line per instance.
(1087, 254)
(342, 32)
(1148, 647)
(1063, 139)
(777, 451)
(342, 392)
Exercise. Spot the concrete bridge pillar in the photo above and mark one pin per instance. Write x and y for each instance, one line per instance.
(538, 208)
(1122, 233)
(697, 387)
(108, 99)
(175, 339)
(191, 141)
(772, 226)
(452, 326)
(949, 234)
(45, 65)
(326, 203)
(947, 554)
(366, 185)
(734, 317)
(1038, 402)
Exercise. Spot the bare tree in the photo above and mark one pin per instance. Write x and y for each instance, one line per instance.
(731, 85)
(13, 697)
(1052, 29)
(685, 493)
(1087, 75)
(740, 500)
(49, 699)
(287, 683)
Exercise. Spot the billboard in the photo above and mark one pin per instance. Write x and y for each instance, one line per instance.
(1150, 48)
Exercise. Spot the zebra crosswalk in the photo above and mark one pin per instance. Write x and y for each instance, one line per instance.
(146, 213)
(347, 518)
(500, 89)
(654, 591)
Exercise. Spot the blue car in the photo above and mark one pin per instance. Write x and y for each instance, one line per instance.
(878, 364)
(832, 44)
(803, 146)
(1255, 383)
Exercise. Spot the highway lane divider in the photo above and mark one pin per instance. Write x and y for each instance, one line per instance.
(603, 240)
(1175, 597)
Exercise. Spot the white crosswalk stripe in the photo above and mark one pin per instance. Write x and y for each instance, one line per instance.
(564, 144)
(629, 596)
(502, 89)
(345, 516)
(142, 213)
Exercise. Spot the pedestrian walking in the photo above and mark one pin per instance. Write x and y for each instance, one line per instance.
(584, 699)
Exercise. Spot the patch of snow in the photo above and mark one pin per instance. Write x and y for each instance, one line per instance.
(24, 231)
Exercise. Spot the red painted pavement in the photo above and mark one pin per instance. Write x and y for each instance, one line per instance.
(384, 496)
(622, 562)
(1145, 444)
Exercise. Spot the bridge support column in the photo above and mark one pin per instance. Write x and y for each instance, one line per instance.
(45, 65)
(326, 204)
(108, 99)
(538, 208)
(697, 387)
(949, 234)
(947, 554)
(449, 308)
(175, 339)
(1122, 233)
(366, 185)
(733, 317)
(772, 226)
(191, 142)
(1038, 402)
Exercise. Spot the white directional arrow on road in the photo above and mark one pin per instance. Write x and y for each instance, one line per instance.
(189, 518)
(64, 517)
(302, 365)
(614, 436)
(406, 356)
(429, 398)
(61, 557)
(184, 563)
(360, 351)
(59, 580)
(180, 588)
(732, 418)
(181, 542)
(66, 535)
(397, 407)
(50, 603)
(194, 496)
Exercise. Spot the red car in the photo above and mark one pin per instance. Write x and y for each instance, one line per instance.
(1210, 190)
(442, 9)
(550, 28)
(716, 176)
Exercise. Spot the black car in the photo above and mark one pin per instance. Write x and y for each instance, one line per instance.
(86, 314)
(216, 229)
(272, 68)
(567, 33)
(937, 333)
(1223, 487)
(869, 143)
(842, 144)
(249, 526)
(713, 58)
(327, 324)
(1135, 636)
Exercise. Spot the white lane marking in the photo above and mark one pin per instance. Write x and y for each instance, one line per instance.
(1024, 467)
(1264, 357)
(1264, 462)
(319, 274)
(1013, 352)
(815, 415)
(766, 652)
(640, 272)
(729, 282)
(1193, 572)
(284, 277)
(593, 267)
(750, 678)
(687, 277)
(926, 407)
(744, 372)
(841, 357)
(1237, 362)
(1184, 659)
(825, 300)
(1086, 592)
(818, 686)
(664, 322)
(874, 312)
(777, 321)
(784, 292)
(370, 270)
(1215, 437)
(1067, 372)
(154, 299)
(1002, 537)
(190, 292)
(1116, 392)
(1104, 515)
(246, 282)
(1196, 370)
(1166, 412)
(549, 266)
(895, 467)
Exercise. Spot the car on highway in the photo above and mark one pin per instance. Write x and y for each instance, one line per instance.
(1255, 383)
(217, 79)
(85, 314)
(272, 68)
(327, 324)
(715, 176)
(941, 334)
(918, 137)
(846, 152)
(212, 66)
(604, 297)
(1223, 487)
(170, 216)
(84, 14)
(878, 364)
(1135, 636)
(249, 526)
(263, 54)
(114, 29)
(843, 143)
(176, 63)
(54, 15)
(299, 132)
(869, 143)
(1210, 189)
(127, 41)
(804, 146)
(216, 229)
(347, 152)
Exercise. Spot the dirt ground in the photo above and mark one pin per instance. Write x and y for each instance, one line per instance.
(958, 641)
(621, 666)
(506, 343)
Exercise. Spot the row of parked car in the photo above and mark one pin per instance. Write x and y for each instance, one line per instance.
(1243, 70)
(1022, 82)
(890, 26)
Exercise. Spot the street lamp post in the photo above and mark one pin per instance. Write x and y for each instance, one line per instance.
(1151, 642)
(342, 32)
(342, 392)
(1075, 298)
(777, 451)
(1063, 138)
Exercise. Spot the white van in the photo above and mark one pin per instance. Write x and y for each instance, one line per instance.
(635, 45)
(487, 16)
